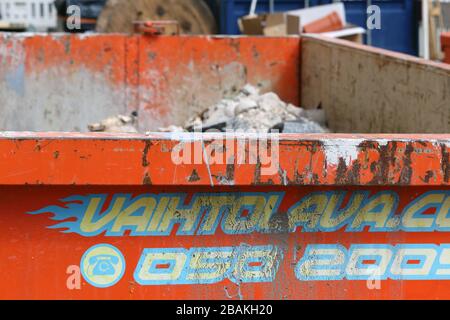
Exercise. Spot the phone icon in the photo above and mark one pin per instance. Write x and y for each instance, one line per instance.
(103, 265)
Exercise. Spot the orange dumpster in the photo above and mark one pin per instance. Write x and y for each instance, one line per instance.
(220, 216)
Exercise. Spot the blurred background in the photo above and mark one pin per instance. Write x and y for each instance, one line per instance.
(409, 26)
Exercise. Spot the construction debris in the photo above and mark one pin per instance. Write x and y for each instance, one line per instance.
(116, 124)
(250, 111)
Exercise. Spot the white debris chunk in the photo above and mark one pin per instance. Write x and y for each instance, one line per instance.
(248, 111)
(254, 112)
(171, 129)
(245, 104)
(116, 124)
(250, 91)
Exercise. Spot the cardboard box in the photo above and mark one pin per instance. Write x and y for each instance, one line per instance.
(270, 24)
(292, 22)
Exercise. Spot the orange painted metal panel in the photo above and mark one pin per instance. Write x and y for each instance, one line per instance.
(102, 159)
(98, 54)
(175, 72)
(167, 79)
(138, 226)
(35, 259)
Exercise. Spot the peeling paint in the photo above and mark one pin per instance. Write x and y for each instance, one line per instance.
(347, 150)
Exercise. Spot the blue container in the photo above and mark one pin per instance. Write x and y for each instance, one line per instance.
(399, 23)
(399, 19)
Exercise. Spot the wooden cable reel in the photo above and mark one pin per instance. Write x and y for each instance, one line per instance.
(194, 16)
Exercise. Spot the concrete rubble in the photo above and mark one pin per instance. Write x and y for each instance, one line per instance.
(248, 111)
(116, 124)
(251, 111)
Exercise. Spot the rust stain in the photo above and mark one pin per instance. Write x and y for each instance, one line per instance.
(301, 162)
(38, 147)
(380, 168)
(428, 176)
(407, 170)
(230, 172)
(445, 163)
(147, 180)
(341, 172)
(147, 147)
(279, 223)
(194, 177)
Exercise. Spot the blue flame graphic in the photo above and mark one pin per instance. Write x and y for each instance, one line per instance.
(73, 208)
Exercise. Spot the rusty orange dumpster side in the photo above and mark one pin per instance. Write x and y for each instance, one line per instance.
(87, 216)
(82, 79)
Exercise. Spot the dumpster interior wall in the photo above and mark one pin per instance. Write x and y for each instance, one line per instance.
(369, 90)
(64, 82)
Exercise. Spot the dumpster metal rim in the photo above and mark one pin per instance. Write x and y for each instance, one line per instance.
(304, 160)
